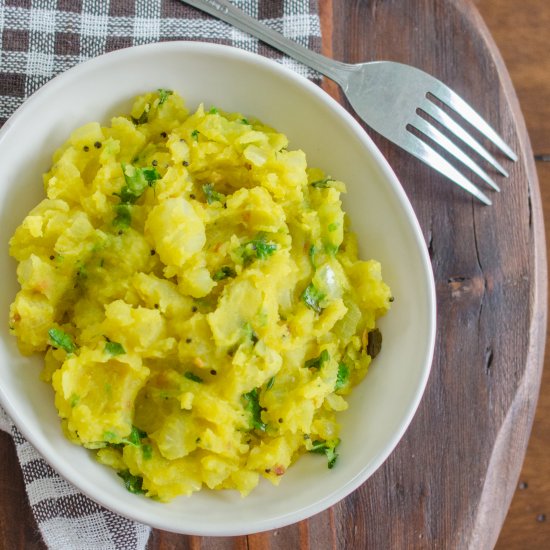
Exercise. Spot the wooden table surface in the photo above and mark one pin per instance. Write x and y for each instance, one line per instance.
(450, 480)
(521, 30)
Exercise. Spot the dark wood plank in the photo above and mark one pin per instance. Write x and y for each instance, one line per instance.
(451, 478)
(527, 524)
(18, 529)
(521, 34)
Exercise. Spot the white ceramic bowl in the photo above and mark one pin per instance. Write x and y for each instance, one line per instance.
(380, 409)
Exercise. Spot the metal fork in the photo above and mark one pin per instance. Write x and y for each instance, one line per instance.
(390, 98)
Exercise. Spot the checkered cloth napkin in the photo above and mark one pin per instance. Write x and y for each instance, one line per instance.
(42, 38)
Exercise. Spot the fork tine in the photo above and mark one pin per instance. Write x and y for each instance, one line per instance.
(453, 100)
(445, 120)
(441, 139)
(432, 158)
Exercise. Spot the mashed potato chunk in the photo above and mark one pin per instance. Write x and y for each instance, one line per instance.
(197, 295)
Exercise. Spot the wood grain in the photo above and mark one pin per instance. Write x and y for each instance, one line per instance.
(521, 32)
(440, 495)
(489, 263)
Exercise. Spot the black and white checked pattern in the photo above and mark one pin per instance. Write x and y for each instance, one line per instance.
(68, 519)
(42, 38)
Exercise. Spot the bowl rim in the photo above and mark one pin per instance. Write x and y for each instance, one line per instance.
(86, 486)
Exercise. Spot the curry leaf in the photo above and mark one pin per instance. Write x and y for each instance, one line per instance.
(374, 342)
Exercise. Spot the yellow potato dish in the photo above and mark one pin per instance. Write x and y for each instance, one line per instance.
(198, 297)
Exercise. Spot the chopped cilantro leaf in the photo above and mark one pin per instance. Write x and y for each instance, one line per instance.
(270, 383)
(151, 175)
(213, 111)
(322, 184)
(223, 273)
(331, 249)
(252, 406)
(135, 437)
(257, 248)
(147, 451)
(332, 226)
(343, 376)
(204, 305)
(332, 456)
(249, 333)
(126, 197)
(263, 248)
(211, 194)
(164, 95)
(327, 448)
(195, 135)
(61, 339)
(245, 121)
(110, 437)
(311, 253)
(190, 376)
(82, 272)
(319, 447)
(143, 118)
(318, 362)
(137, 180)
(114, 348)
(312, 297)
(75, 399)
(123, 216)
(131, 482)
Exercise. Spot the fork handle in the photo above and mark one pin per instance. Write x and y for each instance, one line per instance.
(224, 10)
